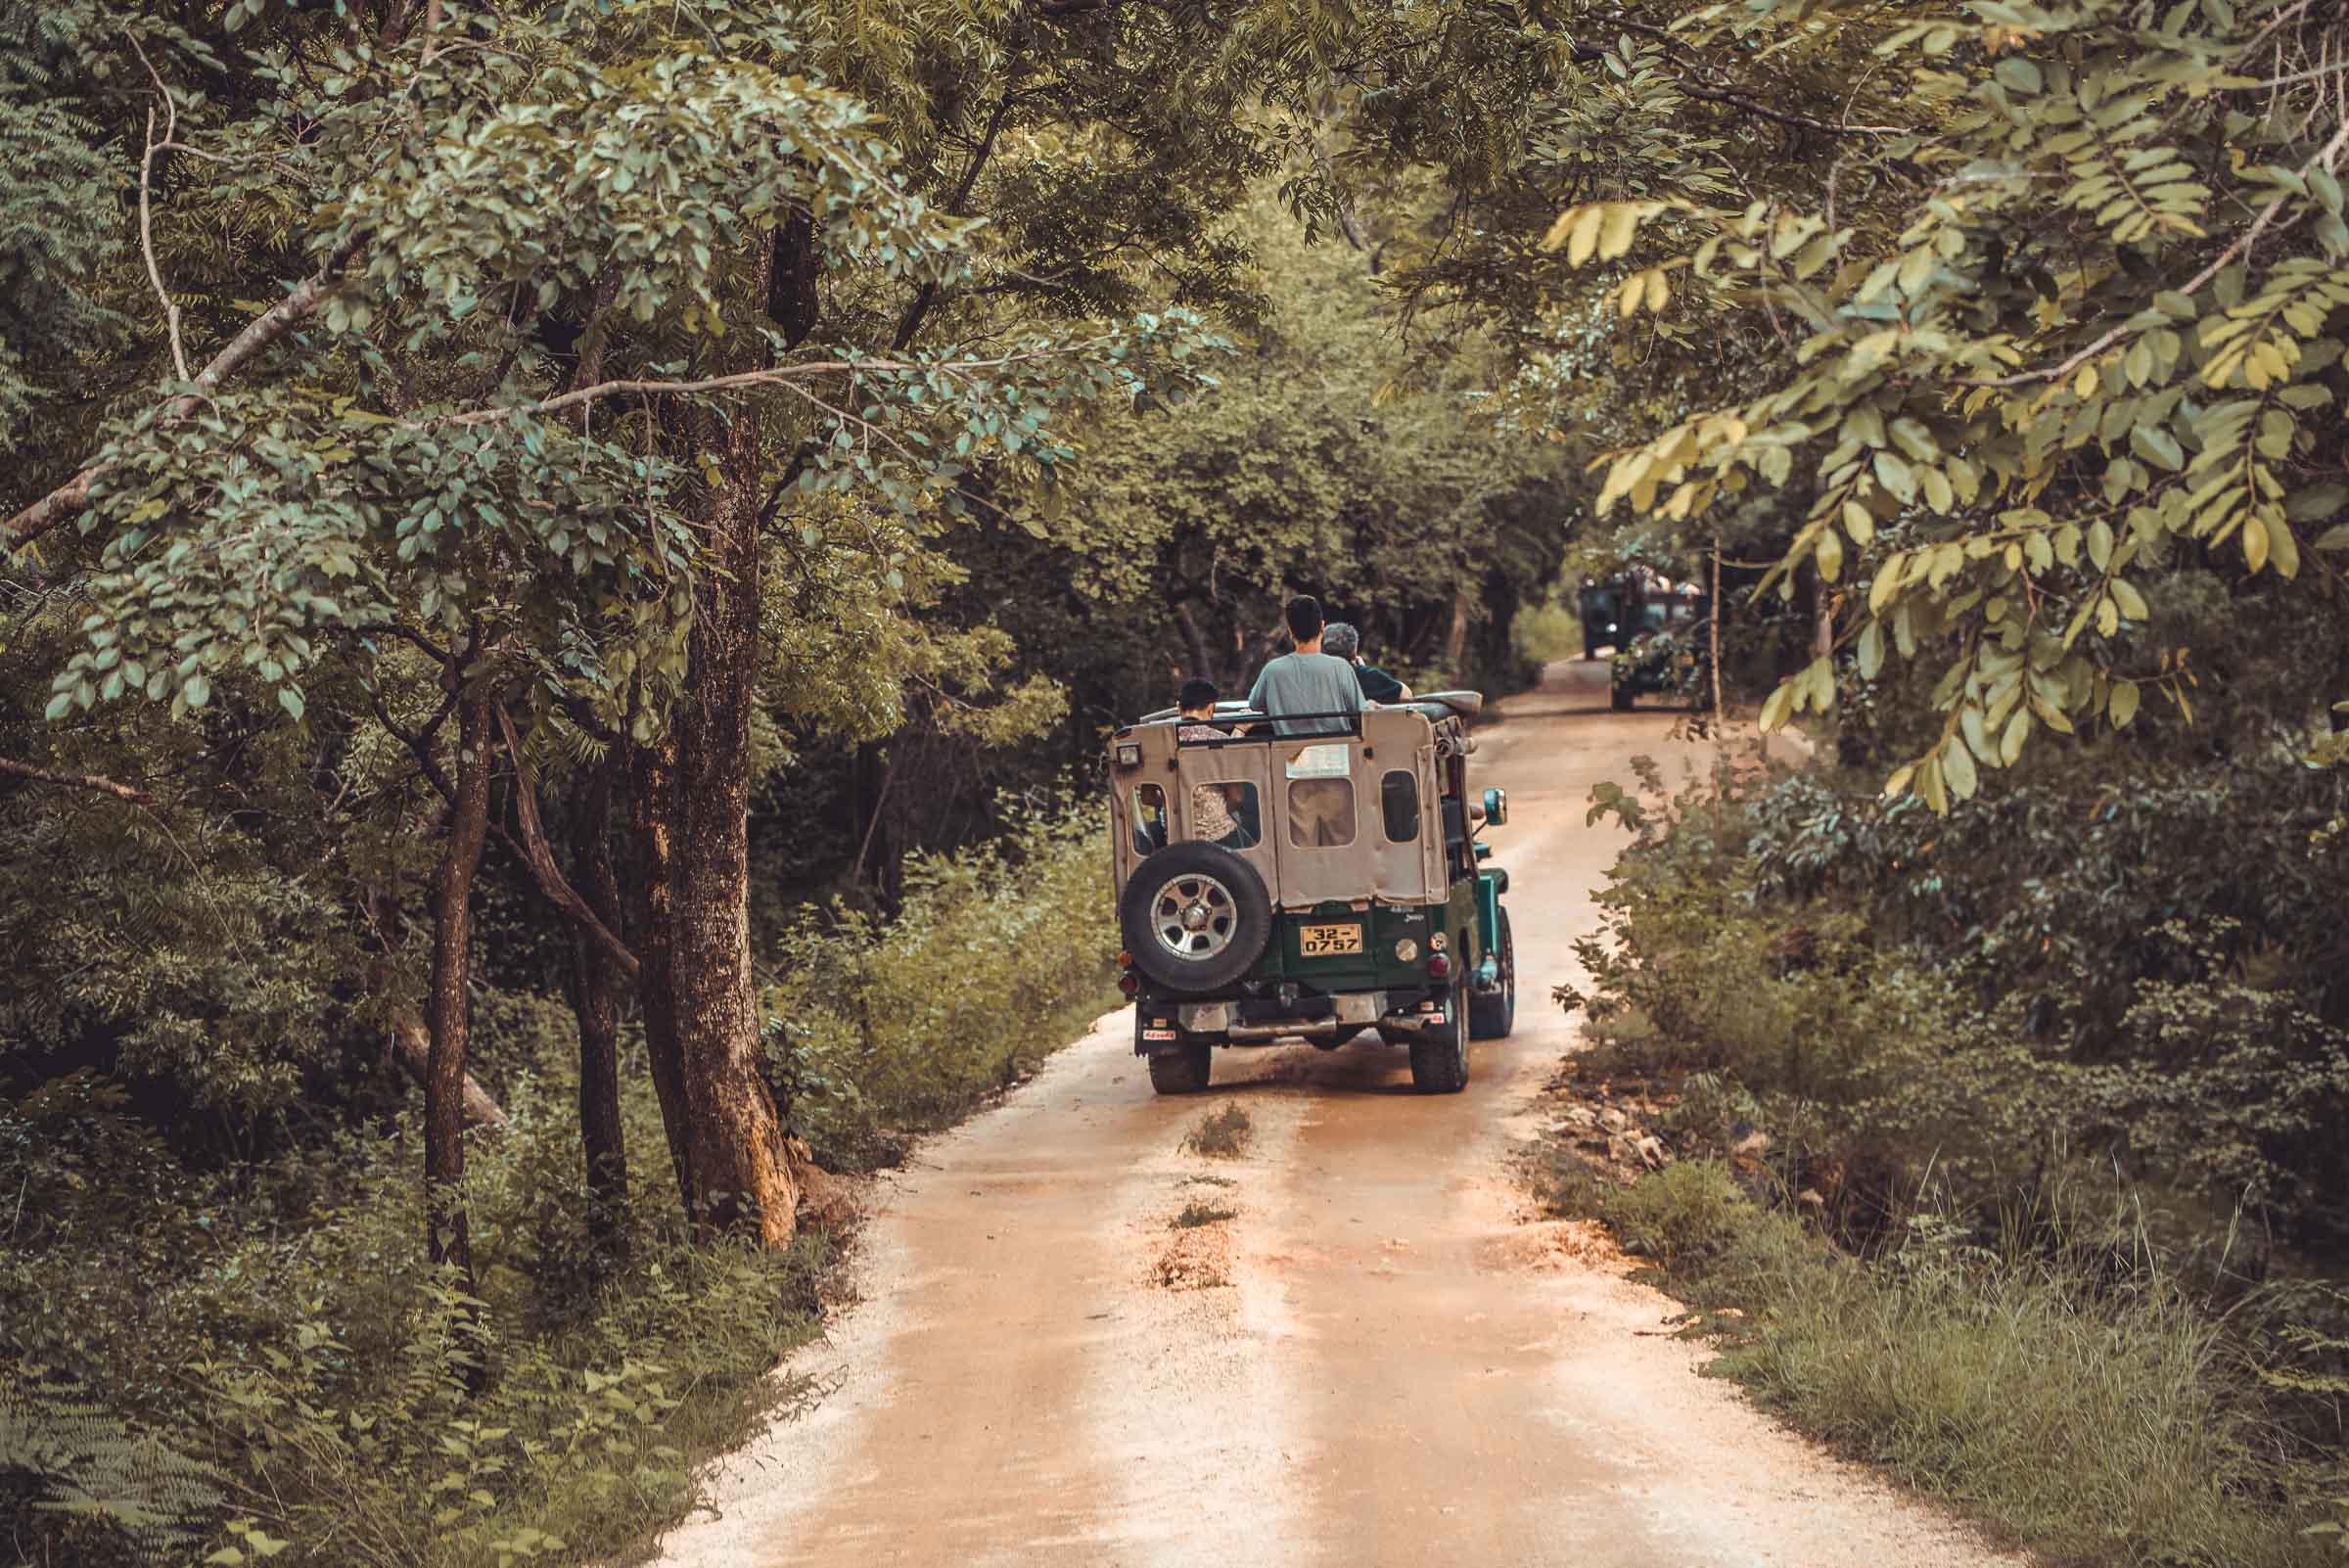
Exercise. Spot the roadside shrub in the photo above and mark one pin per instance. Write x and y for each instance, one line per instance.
(1546, 632)
(1683, 1214)
(884, 1028)
(264, 1363)
(1937, 1023)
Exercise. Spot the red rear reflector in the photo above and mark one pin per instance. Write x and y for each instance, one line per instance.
(1128, 983)
(1439, 966)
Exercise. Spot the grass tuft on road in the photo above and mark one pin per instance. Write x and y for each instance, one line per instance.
(1220, 1134)
(1196, 1213)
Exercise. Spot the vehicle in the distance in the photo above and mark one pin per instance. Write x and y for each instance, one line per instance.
(1350, 891)
(1670, 653)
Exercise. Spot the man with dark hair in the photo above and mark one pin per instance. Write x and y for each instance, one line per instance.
(1339, 640)
(1310, 681)
(1306, 682)
(1220, 813)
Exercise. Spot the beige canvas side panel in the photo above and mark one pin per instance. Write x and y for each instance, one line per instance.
(1397, 777)
(1232, 769)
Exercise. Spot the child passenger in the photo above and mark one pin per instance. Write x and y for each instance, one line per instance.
(1213, 806)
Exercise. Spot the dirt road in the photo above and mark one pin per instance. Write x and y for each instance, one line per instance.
(1373, 1362)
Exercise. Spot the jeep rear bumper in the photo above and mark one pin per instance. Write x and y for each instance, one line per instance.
(1166, 1026)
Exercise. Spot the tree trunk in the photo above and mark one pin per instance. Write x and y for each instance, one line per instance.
(1713, 645)
(447, 1006)
(1456, 641)
(596, 999)
(1823, 617)
(737, 1167)
(411, 1040)
(1822, 644)
(652, 788)
(1202, 664)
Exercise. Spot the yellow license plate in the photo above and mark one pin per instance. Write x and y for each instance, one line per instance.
(1328, 941)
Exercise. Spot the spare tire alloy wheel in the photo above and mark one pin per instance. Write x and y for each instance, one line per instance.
(1195, 916)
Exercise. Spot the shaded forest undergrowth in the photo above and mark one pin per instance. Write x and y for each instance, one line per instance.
(1964, 1178)
(259, 1364)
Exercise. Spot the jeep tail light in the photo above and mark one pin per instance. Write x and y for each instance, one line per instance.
(1439, 966)
(1124, 960)
(1129, 983)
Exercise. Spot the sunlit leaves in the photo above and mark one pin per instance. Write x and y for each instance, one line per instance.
(2093, 328)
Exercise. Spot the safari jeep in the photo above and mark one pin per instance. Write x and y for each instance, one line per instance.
(1347, 892)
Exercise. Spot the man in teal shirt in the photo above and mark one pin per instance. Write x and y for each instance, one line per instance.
(1306, 682)
(1320, 808)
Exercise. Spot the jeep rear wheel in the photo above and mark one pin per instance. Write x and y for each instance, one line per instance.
(1183, 1070)
(1440, 1055)
(1493, 1016)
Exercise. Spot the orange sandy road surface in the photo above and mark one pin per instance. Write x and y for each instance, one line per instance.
(1377, 1361)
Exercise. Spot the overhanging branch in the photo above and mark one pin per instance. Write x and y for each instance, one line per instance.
(297, 306)
(11, 768)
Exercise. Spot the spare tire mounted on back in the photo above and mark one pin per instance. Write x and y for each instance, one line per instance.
(1195, 916)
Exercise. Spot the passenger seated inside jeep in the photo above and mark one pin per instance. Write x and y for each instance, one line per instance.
(1220, 813)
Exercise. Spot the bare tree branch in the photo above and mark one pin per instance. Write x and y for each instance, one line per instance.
(297, 306)
(1804, 121)
(927, 295)
(80, 781)
(742, 380)
(539, 856)
(155, 271)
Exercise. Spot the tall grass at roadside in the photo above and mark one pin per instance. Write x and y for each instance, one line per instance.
(1971, 1211)
(2073, 1401)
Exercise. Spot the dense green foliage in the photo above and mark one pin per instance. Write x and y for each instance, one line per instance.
(2014, 355)
(254, 1343)
(430, 427)
(2042, 324)
(450, 447)
(1931, 1036)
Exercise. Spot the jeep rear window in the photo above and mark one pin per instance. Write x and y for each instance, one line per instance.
(1225, 812)
(1320, 812)
(1399, 804)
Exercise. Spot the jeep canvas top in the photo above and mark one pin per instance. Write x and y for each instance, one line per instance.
(1345, 890)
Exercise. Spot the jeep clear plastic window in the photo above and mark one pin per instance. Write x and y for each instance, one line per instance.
(1227, 813)
(1149, 818)
(1399, 804)
(1320, 812)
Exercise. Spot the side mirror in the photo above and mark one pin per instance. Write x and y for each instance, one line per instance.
(1496, 808)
